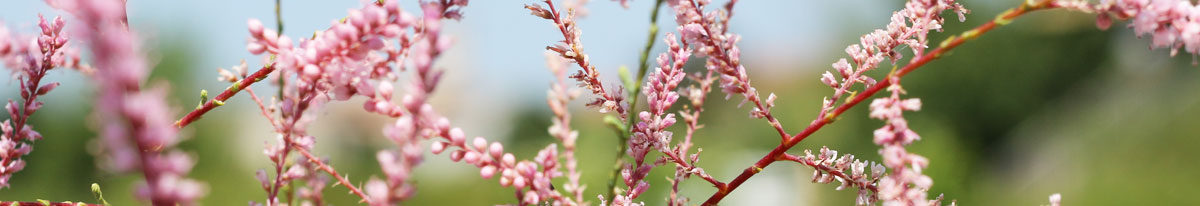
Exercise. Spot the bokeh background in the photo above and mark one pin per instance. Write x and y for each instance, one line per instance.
(1049, 104)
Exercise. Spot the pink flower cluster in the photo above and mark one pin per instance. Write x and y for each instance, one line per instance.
(29, 59)
(1172, 24)
(848, 171)
(138, 130)
(909, 27)
(342, 62)
(342, 59)
(651, 133)
(571, 47)
(904, 185)
(707, 32)
(557, 99)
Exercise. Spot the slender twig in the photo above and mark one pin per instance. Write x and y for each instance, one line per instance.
(30, 89)
(691, 116)
(726, 58)
(951, 43)
(341, 180)
(228, 93)
(278, 16)
(829, 170)
(279, 27)
(622, 141)
(261, 107)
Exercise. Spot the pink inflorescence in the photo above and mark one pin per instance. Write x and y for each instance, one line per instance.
(343, 61)
(571, 48)
(30, 58)
(848, 171)
(707, 32)
(558, 98)
(1172, 24)
(909, 27)
(650, 134)
(905, 185)
(137, 127)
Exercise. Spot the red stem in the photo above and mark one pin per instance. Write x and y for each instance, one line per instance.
(228, 93)
(780, 151)
(22, 116)
(47, 204)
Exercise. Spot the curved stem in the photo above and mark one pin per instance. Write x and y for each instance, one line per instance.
(953, 42)
(225, 95)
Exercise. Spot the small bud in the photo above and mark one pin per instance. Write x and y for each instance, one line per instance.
(261, 175)
(471, 157)
(771, 100)
(256, 27)
(1103, 21)
(519, 181)
(457, 155)
(438, 147)
(487, 172)
(538, 11)
(509, 160)
(496, 150)
(828, 79)
(46, 88)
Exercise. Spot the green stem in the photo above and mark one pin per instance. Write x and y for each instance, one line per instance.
(633, 100)
(279, 27)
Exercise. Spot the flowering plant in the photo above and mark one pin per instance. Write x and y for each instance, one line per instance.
(383, 45)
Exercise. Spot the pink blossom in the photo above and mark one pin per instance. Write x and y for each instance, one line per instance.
(30, 58)
(143, 119)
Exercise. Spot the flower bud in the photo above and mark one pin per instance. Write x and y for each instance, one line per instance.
(496, 150)
(487, 172)
(438, 147)
(256, 27)
(480, 143)
(46, 88)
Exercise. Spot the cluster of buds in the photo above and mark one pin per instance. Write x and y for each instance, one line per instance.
(571, 48)
(708, 32)
(418, 120)
(904, 185)
(342, 61)
(29, 63)
(557, 98)
(908, 27)
(137, 129)
(532, 179)
(651, 133)
(846, 170)
(1172, 24)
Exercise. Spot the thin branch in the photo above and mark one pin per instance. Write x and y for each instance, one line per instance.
(225, 95)
(341, 180)
(946, 46)
(829, 170)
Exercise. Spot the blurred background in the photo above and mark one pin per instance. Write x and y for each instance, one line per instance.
(1048, 104)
